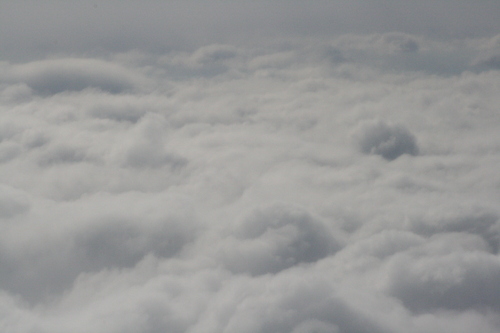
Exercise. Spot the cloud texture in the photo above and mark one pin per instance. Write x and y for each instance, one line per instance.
(328, 183)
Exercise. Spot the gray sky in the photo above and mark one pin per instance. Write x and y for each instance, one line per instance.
(249, 167)
(30, 29)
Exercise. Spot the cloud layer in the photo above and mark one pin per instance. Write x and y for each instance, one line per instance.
(336, 184)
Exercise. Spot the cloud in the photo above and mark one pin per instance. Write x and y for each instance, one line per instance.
(407, 45)
(12, 202)
(45, 262)
(489, 63)
(276, 238)
(62, 155)
(298, 177)
(453, 281)
(214, 53)
(294, 305)
(388, 141)
(473, 220)
(121, 109)
(147, 149)
(75, 74)
(17, 93)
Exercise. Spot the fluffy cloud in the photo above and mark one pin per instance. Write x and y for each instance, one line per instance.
(12, 202)
(341, 183)
(388, 141)
(55, 76)
(452, 271)
(277, 238)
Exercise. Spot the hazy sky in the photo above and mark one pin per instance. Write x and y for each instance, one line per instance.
(250, 166)
(34, 29)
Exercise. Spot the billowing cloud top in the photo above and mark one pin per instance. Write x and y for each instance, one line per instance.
(55, 76)
(299, 168)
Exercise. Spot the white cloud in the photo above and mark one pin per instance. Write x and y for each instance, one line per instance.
(12, 202)
(389, 141)
(455, 281)
(276, 238)
(340, 183)
(73, 74)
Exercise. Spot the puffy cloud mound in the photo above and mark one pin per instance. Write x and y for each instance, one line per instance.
(463, 279)
(75, 74)
(120, 233)
(388, 141)
(275, 238)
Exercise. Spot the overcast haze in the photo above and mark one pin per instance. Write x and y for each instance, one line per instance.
(250, 166)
